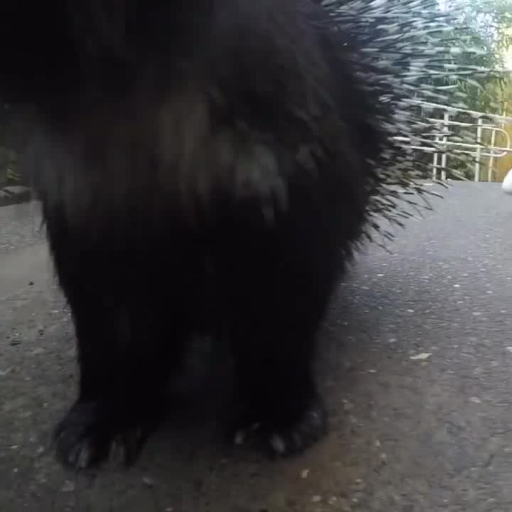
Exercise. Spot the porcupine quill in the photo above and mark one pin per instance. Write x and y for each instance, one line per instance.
(399, 51)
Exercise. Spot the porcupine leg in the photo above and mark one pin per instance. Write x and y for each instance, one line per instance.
(126, 349)
(274, 351)
(281, 281)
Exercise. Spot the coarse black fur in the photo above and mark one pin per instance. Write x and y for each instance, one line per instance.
(204, 167)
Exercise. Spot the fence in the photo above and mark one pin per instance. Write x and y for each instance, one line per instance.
(481, 145)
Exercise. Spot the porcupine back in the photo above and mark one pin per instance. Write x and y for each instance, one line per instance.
(403, 46)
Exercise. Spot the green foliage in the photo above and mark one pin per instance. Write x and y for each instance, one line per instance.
(484, 25)
(477, 45)
(490, 20)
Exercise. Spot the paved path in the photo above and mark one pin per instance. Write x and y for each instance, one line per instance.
(417, 372)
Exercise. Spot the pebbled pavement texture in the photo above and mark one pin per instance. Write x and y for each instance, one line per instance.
(416, 369)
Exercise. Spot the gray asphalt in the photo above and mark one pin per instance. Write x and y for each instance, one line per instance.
(416, 369)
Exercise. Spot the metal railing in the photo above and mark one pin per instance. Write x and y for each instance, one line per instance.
(486, 126)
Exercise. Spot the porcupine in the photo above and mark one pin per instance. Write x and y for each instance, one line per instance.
(209, 167)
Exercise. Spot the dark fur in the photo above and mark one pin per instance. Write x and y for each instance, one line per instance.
(204, 166)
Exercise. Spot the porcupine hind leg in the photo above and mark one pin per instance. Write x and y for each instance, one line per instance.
(127, 347)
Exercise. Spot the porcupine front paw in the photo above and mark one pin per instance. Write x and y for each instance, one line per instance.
(285, 432)
(84, 438)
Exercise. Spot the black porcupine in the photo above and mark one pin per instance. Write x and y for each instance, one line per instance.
(207, 167)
